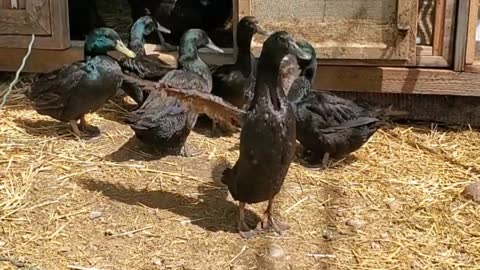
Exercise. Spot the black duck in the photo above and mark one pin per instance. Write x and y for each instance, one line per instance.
(233, 82)
(162, 121)
(328, 125)
(83, 18)
(143, 65)
(267, 139)
(69, 93)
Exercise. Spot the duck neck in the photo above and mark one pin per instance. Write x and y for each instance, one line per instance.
(91, 50)
(137, 40)
(267, 83)
(190, 61)
(244, 56)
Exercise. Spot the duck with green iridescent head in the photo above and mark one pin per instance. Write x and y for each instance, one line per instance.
(162, 122)
(67, 94)
(143, 66)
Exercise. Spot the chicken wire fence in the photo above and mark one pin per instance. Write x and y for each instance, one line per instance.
(347, 21)
(447, 110)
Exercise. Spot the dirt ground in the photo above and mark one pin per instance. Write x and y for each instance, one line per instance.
(109, 204)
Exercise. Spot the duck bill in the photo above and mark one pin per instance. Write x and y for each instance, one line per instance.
(297, 51)
(213, 47)
(123, 49)
(260, 30)
(163, 29)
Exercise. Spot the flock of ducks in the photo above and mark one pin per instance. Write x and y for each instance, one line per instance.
(270, 99)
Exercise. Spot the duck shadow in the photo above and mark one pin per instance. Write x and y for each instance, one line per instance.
(136, 150)
(210, 210)
(116, 109)
(47, 128)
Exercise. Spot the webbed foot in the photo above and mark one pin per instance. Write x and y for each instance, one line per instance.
(245, 231)
(91, 131)
(189, 152)
(269, 224)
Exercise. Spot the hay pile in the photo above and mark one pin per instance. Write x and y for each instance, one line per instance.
(66, 203)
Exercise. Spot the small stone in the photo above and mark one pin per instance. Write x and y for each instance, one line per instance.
(375, 245)
(157, 261)
(130, 235)
(394, 204)
(356, 223)
(109, 232)
(472, 192)
(276, 251)
(328, 234)
(384, 236)
(95, 214)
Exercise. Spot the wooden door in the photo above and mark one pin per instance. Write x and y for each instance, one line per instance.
(47, 19)
(376, 31)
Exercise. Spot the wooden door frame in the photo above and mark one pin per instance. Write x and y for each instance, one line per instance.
(440, 54)
(57, 39)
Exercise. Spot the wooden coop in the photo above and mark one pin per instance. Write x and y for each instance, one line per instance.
(367, 46)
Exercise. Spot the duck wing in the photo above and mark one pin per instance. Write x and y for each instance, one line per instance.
(156, 108)
(199, 101)
(147, 67)
(333, 109)
(232, 85)
(52, 91)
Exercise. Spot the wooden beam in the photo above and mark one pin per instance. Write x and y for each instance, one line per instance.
(59, 26)
(438, 27)
(449, 30)
(235, 21)
(472, 29)
(47, 60)
(463, 13)
(397, 80)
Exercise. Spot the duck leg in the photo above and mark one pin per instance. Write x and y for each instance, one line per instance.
(325, 159)
(243, 229)
(215, 130)
(269, 223)
(91, 130)
(76, 130)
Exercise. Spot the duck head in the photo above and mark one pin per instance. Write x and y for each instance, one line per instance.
(280, 44)
(146, 25)
(249, 24)
(102, 40)
(308, 66)
(195, 39)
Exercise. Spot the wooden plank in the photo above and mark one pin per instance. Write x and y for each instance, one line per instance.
(403, 15)
(48, 60)
(244, 8)
(397, 80)
(424, 50)
(39, 10)
(449, 30)
(438, 28)
(60, 25)
(472, 29)
(4, 4)
(461, 35)
(235, 20)
(19, 22)
(60, 35)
